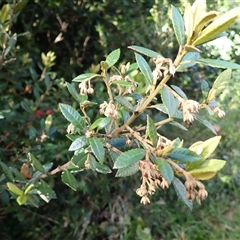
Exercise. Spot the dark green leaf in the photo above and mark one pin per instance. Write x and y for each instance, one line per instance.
(179, 91)
(218, 63)
(123, 101)
(152, 131)
(169, 101)
(69, 179)
(113, 57)
(125, 115)
(145, 51)
(79, 160)
(127, 171)
(129, 158)
(19, 6)
(72, 115)
(74, 92)
(7, 171)
(78, 143)
(102, 168)
(165, 169)
(92, 162)
(85, 76)
(45, 191)
(144, 67)
(184, 155)
(178, 25)
(118, 142)
(35, 163)
(181, 192)
(97, 148)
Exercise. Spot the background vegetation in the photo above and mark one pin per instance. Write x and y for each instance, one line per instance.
(81, 33)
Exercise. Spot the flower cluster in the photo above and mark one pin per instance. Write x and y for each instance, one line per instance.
(164, 65)
(192, 192)
(189, 107)
(85, 87)
(108, 109)
(150, 181)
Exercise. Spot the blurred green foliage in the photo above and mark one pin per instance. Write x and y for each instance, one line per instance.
(80, 33)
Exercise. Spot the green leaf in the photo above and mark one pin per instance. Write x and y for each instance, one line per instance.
(144, 68)
(181, 192)
(152, 131)
(78, 143)
(129, 157)
(184, 155)
(222, 81)
(102, 168)
(179, 125)
(69, 179)
(97, 148)
(79, 160)
(218, 63)
(209, 146)
(105, 122)
(179, 91)
(165, 169)
(205, 88)
(96, 123)
(113, 57)
(123, 101)
(131, 68)
(169, 101)
(45, 191)
(205, 123)
(14, 189)
(118, 142)
(145, 51)
(85, 76)
(74, 92)
(128, 171)
(22, 199)
(205, 169)
(35, 163)
(187, 61)
(19, 6)
(123, 83)
(72, 115)
(7, 171)
(48, 123)
(217, 26)
(178, 25)
(92, 162)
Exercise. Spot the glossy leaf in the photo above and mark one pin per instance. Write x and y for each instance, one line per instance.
(74, 92)
(178, 25)
(144, 68)
(169, 101)
(102, 168)
(69, 179)
(217, 63)
(45, 191)
(92, 162)
(85, 76)
(152, 131)
(35, 163)
(104, 122)
(22, 199)
(145, 51)
(96, 123)
(165, 169)
(78, 143)
(129, 157)
(48, 123)
(127, 171)
(14, 189)
(184, 155)
(97, 148)
(72, 115)
(79, 160)
(7, 171)
(181, 192)
(118, 142)
(179, 91)
(123, 101)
